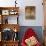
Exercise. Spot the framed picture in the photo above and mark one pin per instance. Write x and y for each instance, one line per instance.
(5, 12)
(30, 12)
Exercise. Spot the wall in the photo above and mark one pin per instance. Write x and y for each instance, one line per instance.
(22, 3)
(39, 13)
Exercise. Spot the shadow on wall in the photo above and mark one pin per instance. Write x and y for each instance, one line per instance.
(37, 29)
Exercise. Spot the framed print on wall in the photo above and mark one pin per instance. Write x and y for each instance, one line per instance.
(5, 12)
(30, 12)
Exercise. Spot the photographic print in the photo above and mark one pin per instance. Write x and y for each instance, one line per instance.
(30, 12)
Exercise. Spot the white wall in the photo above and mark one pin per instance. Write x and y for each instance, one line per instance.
(22, 3)
(39, 13)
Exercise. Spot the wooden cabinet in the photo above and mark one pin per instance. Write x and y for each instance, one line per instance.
(8, 25)
(10, 43)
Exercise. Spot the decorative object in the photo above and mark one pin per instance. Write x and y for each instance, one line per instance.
(30, 38)
(13, 12)
(30, 12)
(15, 3)
(15, 34)
(5, 12)
(15, 30)
(31, 41)
(7, 34)
(6, 21)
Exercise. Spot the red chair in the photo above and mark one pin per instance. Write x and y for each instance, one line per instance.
(29, 33)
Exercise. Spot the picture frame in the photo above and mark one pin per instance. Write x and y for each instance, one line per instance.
(30, 12)
(5, 12)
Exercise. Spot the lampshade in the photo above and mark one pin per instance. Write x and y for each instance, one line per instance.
(15, 3)
(15, 30)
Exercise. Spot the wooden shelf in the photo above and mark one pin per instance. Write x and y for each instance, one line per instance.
(9, 43)
(17, 8)
(11, 26)
(13, 9)
(4, 13)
